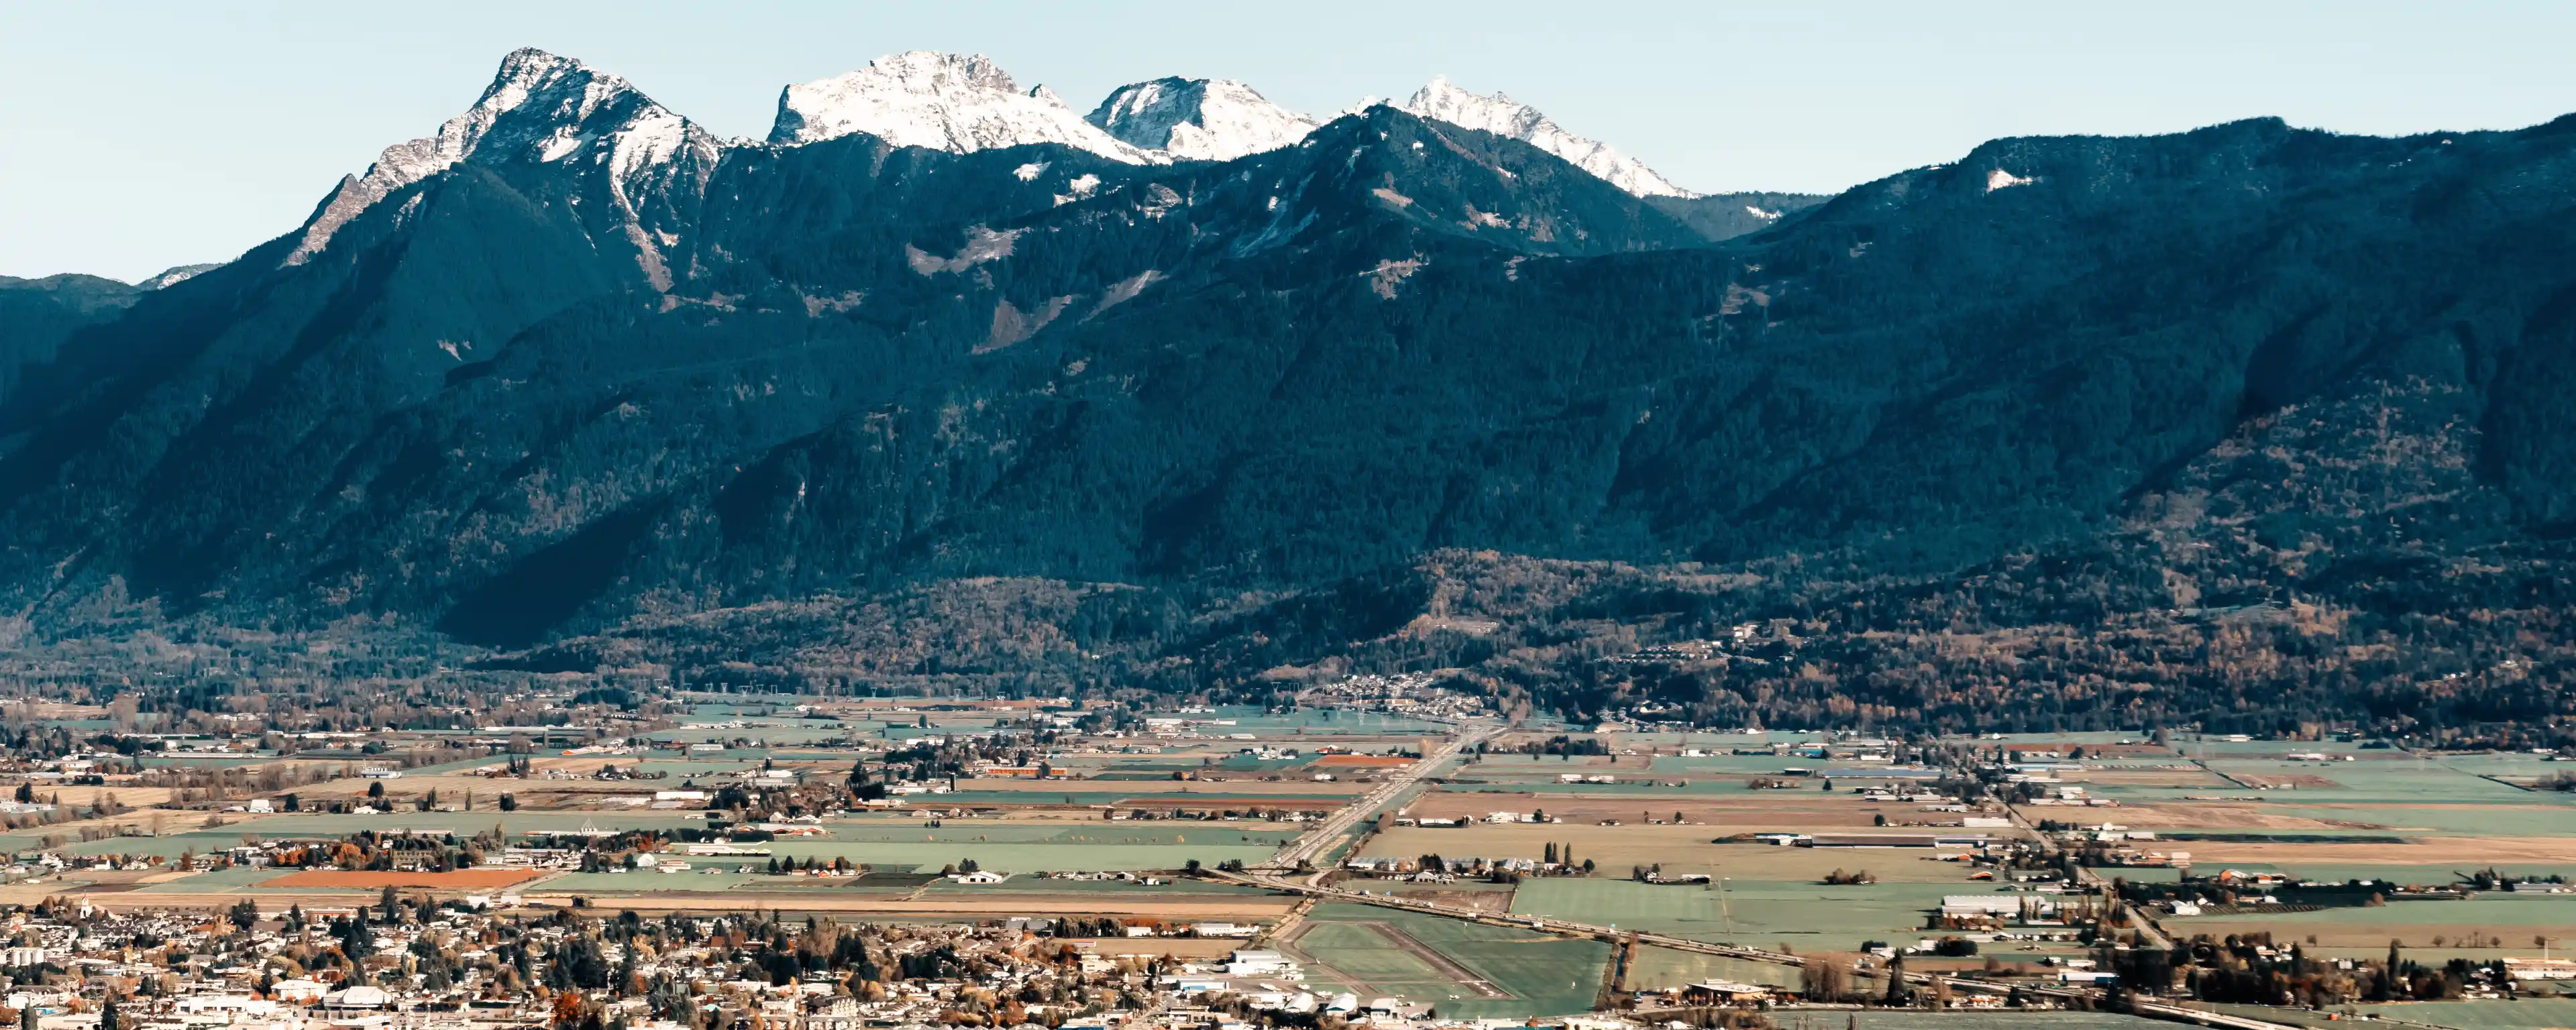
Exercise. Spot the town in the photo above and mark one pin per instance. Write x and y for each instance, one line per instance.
(1382, 853)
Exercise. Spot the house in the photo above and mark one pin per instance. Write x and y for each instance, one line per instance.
(1251, 962)
(359, 997)
(2540, 968)
(210, 1004)
(298, 990)
(1724, 992)
(980, 876)
(830, 1012)
(2001, 905)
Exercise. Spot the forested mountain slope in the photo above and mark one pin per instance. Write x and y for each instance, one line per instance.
(2024, 436)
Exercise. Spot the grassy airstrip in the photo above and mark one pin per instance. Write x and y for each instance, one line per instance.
(1373, 951)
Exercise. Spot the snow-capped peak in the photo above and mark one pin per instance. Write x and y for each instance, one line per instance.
(539, 107)
(1504, 116)
(1199, 119)
(951, 102)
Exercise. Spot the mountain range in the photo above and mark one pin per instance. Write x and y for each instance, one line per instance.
(947, 385)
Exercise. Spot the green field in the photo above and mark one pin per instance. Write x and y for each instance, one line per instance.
(2520, 1014)
(2531, 1013)
(1543, 973)
(1359, 951)
(1807, 916)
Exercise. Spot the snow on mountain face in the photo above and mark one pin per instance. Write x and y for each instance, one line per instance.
(1199, 119)
(950, 102)
(541, 108)
(1504, 116)
(174, 276)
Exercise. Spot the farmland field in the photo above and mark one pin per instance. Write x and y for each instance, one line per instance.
(1882, 1019)
(1019, 857)
(1808, 917)
(461, 879)
(628, 883)
(1679, 849)
(236, 878)
(1019, 846)
(2524, 1014)
(1367, 957)
(2462, 853)
(1723, 804)
(898, 905)
(2426, 875)
(1538, 974)
(1657, 968)
(2516, 1014)
(2515, 919)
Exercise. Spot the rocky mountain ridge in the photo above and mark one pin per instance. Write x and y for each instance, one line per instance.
(2076, 429)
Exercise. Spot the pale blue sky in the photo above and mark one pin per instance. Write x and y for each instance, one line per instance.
(143, 135)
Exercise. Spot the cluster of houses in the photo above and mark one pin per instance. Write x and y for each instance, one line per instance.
(1450, 869)
(449, 968)
(1413, 694)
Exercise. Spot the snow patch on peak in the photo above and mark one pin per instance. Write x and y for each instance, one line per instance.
(539, 107)
(2000, 179)
(1199, 119)
(174, 276)
(1501, 115)
(952, 102)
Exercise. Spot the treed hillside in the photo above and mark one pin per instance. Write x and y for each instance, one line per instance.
(36, 315)
(2240, 426)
